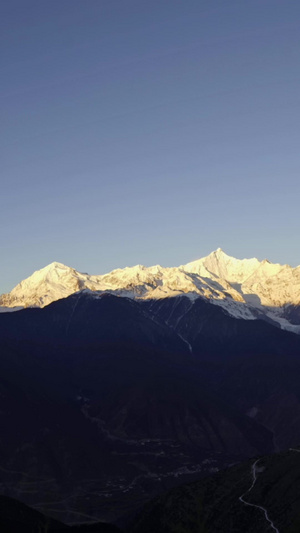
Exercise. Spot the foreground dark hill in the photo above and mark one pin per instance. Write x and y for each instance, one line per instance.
(103, 405)
(15, 517)
(258, 496)
(225, 502)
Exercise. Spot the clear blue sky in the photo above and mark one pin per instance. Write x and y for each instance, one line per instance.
(148, 131)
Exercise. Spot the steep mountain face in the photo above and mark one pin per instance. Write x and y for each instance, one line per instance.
(247, 288)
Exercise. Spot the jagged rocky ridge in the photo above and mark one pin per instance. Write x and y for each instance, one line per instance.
(247, 288)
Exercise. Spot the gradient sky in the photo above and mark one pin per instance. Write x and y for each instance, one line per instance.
(148, 131)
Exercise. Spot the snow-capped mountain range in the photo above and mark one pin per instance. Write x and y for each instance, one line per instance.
(247, 288)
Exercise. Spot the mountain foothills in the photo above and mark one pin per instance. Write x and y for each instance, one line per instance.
(254, 497)
(259, 496)
(116, 389)
(247, 288)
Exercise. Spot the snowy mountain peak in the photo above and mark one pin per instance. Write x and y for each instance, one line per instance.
(218, 251)
(223, 266)
(50, 283)
(245, 288)
(52, 267)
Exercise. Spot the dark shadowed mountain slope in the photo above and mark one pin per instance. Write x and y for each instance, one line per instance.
(103, 407)
(87, 319)
(212, 332)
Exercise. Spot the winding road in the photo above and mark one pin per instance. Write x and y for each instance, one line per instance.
(241, 498)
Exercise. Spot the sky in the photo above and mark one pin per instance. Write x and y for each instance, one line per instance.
(147, 132)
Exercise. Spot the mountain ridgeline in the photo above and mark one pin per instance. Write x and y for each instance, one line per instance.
(112, 396)
(247, 288)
